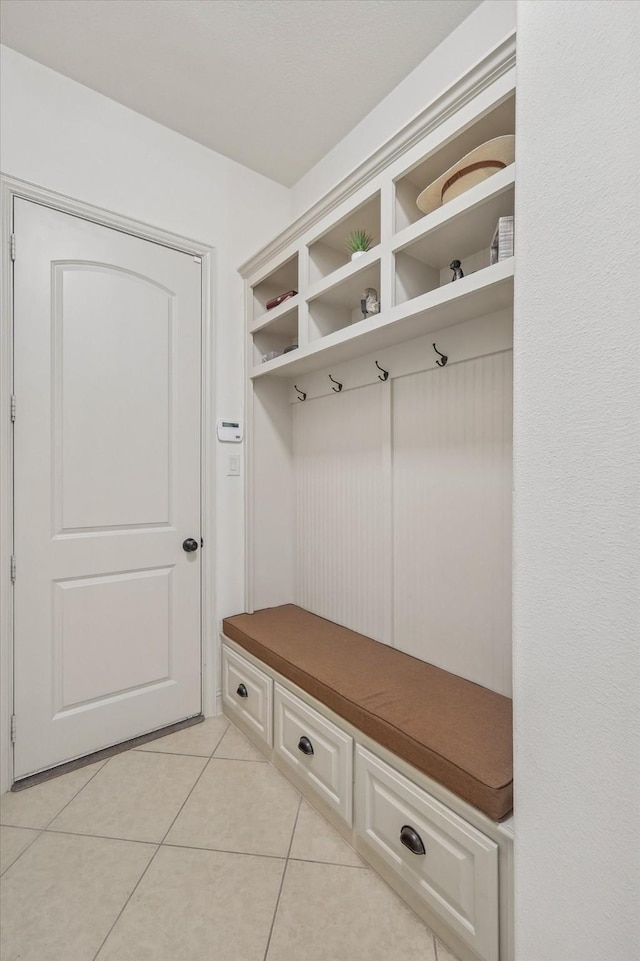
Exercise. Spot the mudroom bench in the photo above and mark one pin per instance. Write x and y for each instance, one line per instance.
(412, 764)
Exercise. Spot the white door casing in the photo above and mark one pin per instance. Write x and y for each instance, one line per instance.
(107, 341)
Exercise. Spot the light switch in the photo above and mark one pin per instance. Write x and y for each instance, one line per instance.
(233, 465)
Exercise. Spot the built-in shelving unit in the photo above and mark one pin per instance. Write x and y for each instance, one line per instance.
(408, 266)
(379, 455)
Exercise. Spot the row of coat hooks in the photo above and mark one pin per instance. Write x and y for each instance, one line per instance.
(384, 375)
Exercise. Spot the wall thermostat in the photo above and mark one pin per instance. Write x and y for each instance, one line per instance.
(230, 430)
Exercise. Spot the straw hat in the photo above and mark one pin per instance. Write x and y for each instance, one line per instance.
(482, 162)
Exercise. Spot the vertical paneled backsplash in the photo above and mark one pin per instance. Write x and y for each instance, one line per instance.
(403, 514)
(341, 445)
(452, 458)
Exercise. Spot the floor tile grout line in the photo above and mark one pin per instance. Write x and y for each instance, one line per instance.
(170, 844)
(180, 809)
(102, 837)
(120, 912)
(77, 794)
(286, 865)
(152, 859)
(149, 750)
(195, 847)
(38, 831)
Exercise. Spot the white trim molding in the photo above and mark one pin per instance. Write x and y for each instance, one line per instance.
(11, 188)
(485, 72)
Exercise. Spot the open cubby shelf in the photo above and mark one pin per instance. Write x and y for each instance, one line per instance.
(329, 253)
(282, 278)
(500, 120)
(482, 293)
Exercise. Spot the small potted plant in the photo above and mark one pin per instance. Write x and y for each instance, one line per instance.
(358, 242)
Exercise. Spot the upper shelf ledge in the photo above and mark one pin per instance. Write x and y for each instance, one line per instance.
(475, 197)
(344, 273)
(269, 316)
(483, 292)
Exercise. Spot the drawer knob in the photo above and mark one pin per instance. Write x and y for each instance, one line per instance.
(305, 745)
(412, 840)
(242, 691)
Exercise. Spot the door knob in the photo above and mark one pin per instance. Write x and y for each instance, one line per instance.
(189, 545)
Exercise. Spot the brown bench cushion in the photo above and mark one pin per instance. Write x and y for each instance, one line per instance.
(454, 730)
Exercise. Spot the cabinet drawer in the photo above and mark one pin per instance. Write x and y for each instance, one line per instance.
(247, 694)
(315, 749)
(451, 865)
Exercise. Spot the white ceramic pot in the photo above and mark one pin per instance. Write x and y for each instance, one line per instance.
(357, 253)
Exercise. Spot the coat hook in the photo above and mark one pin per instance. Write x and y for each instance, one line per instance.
(385, 373)
(301, 393)
(338, 388)
(440, 363)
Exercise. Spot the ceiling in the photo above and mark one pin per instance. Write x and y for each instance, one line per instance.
(273, 84)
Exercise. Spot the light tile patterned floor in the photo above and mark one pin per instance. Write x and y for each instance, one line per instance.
(190, 848)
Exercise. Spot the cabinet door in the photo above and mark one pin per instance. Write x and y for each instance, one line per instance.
(451, 865)
(247, 694)
(315, 750)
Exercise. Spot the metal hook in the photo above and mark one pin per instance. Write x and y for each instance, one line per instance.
(440, 363)
(385, 373)
(301, 393)
(338, 388)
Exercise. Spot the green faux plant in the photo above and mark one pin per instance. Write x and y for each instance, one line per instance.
(359, 240)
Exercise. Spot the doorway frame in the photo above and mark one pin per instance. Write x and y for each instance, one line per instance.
(13, 188)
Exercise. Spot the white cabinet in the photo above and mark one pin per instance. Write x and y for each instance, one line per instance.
(451, 865)
(247, 694)
(449, 861)
(315, 750)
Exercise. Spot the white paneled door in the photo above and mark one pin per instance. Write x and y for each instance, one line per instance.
(107, 486)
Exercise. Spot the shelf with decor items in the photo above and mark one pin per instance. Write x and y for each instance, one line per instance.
(410, 183)
(281, 279)
(461, 230)
(329, 252)
(485, 292)
(408, 269)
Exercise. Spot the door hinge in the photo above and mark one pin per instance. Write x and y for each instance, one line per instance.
(13, 729)
(12, 408)
(13, 246)
(13, 568)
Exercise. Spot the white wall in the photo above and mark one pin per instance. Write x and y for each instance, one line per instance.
(492, 22)
(576, 546)
(61, 135)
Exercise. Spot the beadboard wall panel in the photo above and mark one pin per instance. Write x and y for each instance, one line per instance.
(452, 493)
(343, 508)
(270, 521)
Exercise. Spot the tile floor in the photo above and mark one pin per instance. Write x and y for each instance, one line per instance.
(190, 848)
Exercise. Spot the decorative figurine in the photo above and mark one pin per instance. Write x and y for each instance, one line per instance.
(457, 270)
(370, 303)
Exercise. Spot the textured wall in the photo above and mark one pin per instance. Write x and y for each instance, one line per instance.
(577, 403)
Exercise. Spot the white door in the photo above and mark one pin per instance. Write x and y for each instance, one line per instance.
(107, 486)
